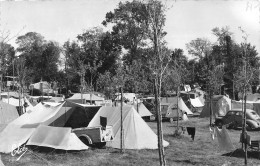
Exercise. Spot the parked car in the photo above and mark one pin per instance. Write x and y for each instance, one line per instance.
(234, 118)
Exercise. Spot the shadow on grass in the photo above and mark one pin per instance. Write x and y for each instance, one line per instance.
(239, 153)
(47, 150)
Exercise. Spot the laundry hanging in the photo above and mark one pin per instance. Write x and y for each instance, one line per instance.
(212, 133)
(224, 139)
(191, 131)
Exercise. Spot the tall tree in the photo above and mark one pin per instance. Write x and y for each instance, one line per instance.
(129, 22)
(160, 61)
(199, 47)
(41, 56)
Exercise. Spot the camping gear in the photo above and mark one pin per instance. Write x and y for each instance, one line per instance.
(137, 134)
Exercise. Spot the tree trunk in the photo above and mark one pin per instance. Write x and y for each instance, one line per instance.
(159, 123)
(178, 108)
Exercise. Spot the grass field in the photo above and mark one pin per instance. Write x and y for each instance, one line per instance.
(182, 151)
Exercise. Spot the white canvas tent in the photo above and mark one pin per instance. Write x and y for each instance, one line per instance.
(220, 105)
(137, 134)
(171, 111)
(20, 130)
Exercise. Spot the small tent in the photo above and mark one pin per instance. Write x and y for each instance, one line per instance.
(220, 106)
(169, 107)
(8, 113)
(137, 134)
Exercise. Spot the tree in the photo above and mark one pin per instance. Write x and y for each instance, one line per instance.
(41, 56)
(160, 61)
(129, 22)
(95, 50)
(199, 47)
(22, 72)
(105, 84)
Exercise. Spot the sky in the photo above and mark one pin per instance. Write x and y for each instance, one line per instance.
(186, 20)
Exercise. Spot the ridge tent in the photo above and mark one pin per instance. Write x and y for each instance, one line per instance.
(8, 113)
(56, 137)
(66, 114)
(220, 106)
(137, 134)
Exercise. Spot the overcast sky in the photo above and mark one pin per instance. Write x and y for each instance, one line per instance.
(60, 20)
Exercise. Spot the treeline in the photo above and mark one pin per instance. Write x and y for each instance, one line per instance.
(103, 61)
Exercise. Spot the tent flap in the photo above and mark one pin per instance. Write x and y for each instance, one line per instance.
(57, 138)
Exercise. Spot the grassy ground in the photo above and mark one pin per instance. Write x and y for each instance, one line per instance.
(182, 151)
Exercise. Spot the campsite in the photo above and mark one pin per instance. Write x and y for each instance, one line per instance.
(129, 82)
(181, 151)
(47, 144)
